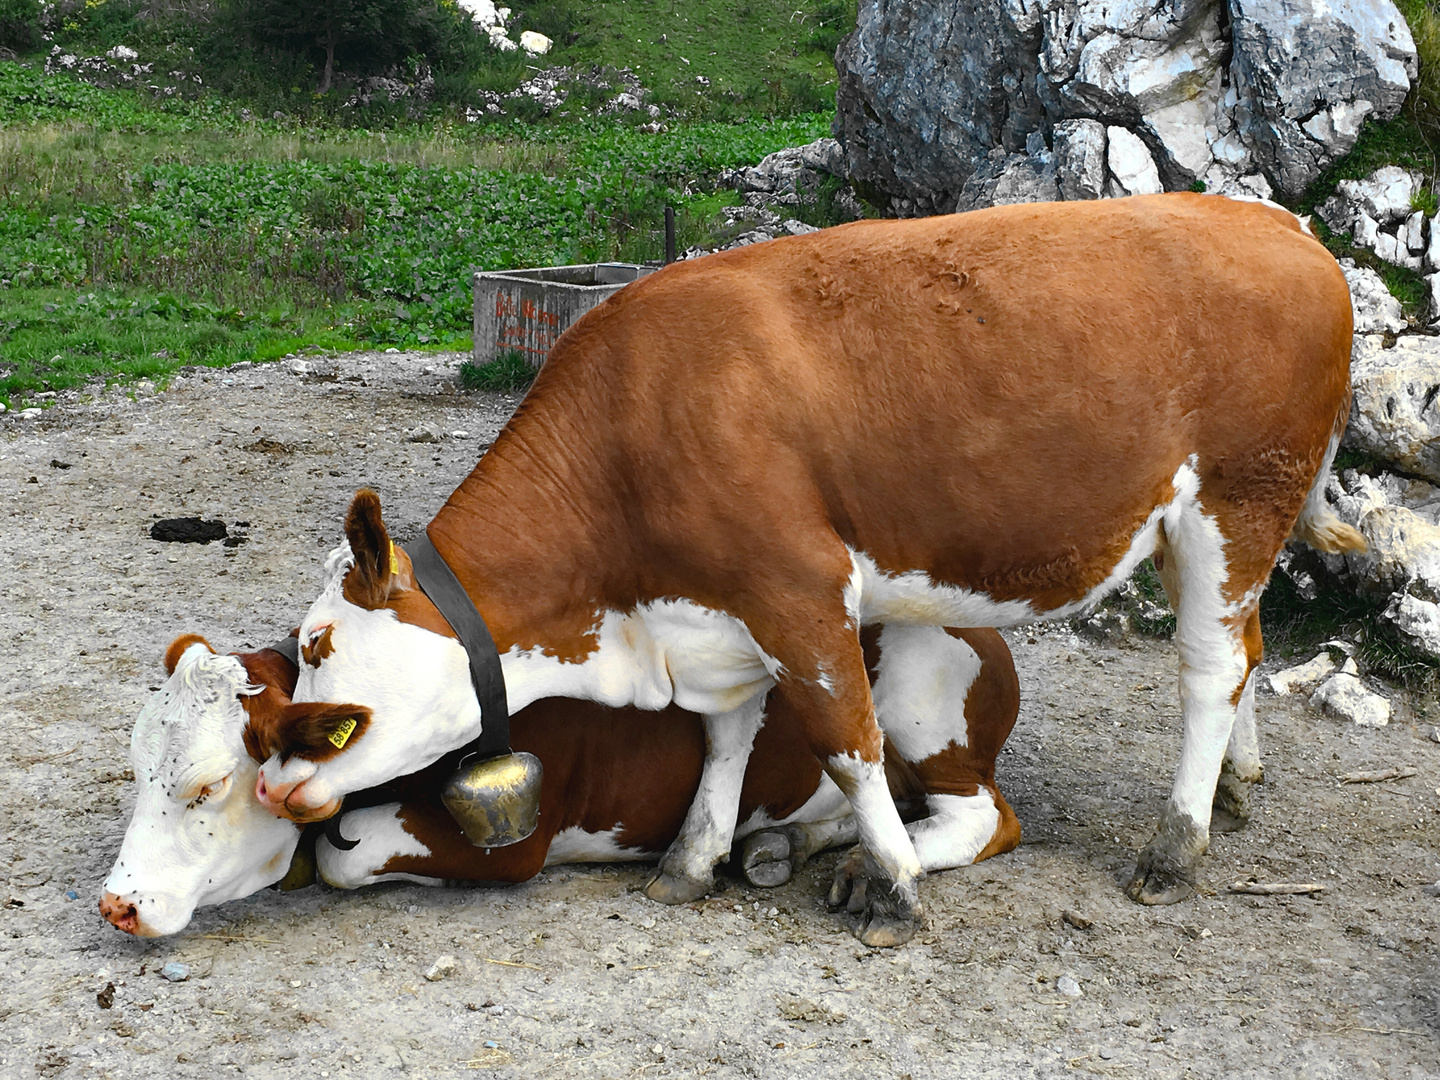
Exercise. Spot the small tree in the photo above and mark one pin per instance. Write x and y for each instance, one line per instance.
(363, 35)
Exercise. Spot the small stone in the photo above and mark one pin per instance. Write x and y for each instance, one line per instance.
(31, 413)
(1346, 697)
(1106, 1053)
(175, 971)
(71, 894)
(657, 1049)
(1432, 890)
(1435, 734)
(442, 968)
(392, 349)
(460, 434)
(1067, 986)
(491, 1044)
(493, 1010)
(1075, 919)
(1301, 676)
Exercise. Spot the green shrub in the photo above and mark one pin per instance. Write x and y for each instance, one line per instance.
(20, 25)
(509, 371)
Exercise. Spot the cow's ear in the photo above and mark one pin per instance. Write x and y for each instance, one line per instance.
(177, 649)
(369, 581)
(316, 730)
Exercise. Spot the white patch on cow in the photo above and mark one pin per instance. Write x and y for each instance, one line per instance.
(418, 683)
(1243, 750)
(382, 837)
(182, 849)
(913, 598)
(957, 830)
(925, 675)
(828, 802)
(1212, 653)
(574, 845)
(709, 828)
(881, 830)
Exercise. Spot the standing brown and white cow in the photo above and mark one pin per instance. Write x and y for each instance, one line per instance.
(726, 469)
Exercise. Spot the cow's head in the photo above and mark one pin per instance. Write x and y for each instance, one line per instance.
(197, 835)
(374, 638)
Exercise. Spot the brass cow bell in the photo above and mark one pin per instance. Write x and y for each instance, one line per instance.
(496, 802)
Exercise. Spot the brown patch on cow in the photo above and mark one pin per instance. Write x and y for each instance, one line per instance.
(322, 646)
(263, 711)
(308, 730)
(1254, 653)
(177, 649)
(1007, 831)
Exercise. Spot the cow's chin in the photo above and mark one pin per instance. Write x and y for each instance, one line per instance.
(305, 815)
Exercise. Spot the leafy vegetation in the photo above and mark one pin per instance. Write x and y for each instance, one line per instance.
(135, 236)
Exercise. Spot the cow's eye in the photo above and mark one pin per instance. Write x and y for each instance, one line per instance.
(211, 792)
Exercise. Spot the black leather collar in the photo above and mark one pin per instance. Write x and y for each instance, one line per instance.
(435, 578)
(288, 647)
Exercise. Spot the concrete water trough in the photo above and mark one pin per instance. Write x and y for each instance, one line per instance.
(529, 309)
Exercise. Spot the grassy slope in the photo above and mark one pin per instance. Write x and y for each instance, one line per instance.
(136, 236)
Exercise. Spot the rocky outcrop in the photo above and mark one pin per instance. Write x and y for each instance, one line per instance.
(1395, 413)
(965, 103)
(1400, 520)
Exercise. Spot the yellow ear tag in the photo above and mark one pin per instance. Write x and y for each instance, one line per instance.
(341, 735)
(394, 561)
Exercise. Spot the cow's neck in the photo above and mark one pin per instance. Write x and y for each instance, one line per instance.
(536, 546)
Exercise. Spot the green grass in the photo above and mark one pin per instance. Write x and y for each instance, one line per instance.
(1295, 628)
(765, 55)
(243, 240)
(508, 371)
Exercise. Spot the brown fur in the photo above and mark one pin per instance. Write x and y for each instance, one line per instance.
(177, 649)
(926, 391)
(604, 766)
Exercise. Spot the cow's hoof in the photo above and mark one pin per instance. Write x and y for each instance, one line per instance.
(766, 859)
(669, 888)
(888, 914)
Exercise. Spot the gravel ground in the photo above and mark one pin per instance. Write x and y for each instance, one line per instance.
(576, 973)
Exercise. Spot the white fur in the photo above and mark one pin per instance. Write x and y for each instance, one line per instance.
(668, 651)
(574, 845)
(179, 852)
(709, 827)
(957, 830)
(924, 677)
(881, 830)
(826, 803)
(1212, 652)
(382, 837)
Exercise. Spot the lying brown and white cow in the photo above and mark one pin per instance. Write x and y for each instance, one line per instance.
(728, 467)
(617, 783)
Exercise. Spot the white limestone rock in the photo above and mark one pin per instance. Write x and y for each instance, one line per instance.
(1131, 164)
(1395, 412)
(536, 44)
(1301, 677)
(1415, 233)
(1375, 310)
(1080, 158)
(1385, 194)
(1347, 698)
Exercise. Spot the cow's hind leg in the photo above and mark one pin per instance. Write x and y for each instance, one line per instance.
(687, 871)
(1212, 607)
(1242, 769)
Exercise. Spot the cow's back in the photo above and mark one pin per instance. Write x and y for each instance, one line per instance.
(998, 398)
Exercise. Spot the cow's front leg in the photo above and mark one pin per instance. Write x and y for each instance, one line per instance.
(882, 884)
(688, 869)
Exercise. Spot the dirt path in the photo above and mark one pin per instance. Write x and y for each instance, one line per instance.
(576, 974)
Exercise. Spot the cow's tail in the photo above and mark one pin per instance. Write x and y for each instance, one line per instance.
(1318, 525)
